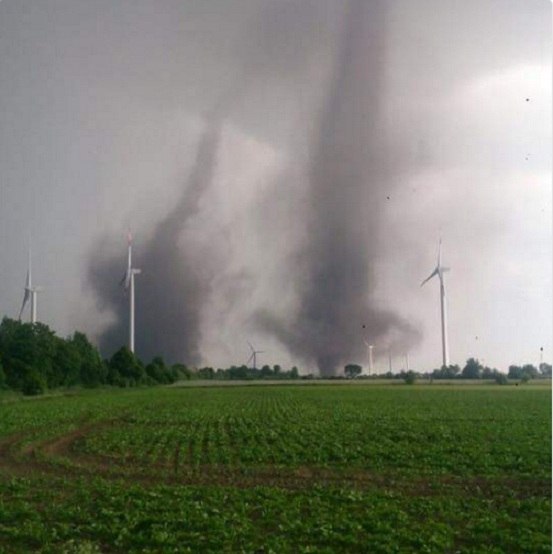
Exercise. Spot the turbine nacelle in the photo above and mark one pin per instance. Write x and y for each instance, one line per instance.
(439, 269)
(253, 355)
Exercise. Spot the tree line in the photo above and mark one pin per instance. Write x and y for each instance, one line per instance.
(473, 369)
(244, 373)
(33, 358)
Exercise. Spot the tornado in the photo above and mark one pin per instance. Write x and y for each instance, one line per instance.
(349, 180)
(172, 288)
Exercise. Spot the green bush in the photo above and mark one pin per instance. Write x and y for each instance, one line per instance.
(410, 377)
(501, 379)
(33, 383)
(3, 384)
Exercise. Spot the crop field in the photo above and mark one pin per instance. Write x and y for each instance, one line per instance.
(278, 469)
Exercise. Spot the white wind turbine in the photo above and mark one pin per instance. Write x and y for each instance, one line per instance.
(253, 355)
(439, 271)
(128, 283)
(369, 355)
(30, 293)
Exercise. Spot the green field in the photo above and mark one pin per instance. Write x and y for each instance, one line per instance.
(278, 469)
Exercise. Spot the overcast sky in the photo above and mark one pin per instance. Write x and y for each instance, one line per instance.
(105, 108)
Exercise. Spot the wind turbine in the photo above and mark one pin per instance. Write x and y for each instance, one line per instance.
(30, 293)
(439, 271)
(369, 354)
(253, 355)
(128, 283)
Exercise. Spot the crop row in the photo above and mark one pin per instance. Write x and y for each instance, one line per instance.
(265, 469)
(364, 429)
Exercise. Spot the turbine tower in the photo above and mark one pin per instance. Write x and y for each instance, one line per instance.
(30, 293)
(128, 282)
(253, 355)
(439, 271)
(369, 355)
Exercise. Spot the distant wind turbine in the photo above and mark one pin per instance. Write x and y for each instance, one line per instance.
(128, 283)
(369, 354)
(30, 293)
(253, 355)
(439, 271)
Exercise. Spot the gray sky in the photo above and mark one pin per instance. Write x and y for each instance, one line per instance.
(103, 107)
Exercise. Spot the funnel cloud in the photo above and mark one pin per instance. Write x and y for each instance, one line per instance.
(347, 183)
(172, 290)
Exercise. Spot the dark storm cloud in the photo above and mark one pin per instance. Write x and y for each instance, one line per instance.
(335, 90)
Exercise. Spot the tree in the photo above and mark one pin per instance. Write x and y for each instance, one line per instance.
(545, 370)
(125, 369)
(206, 373)
(352, 370)
(266, 371)
(410, 377)
(501, 379)
(515, 372)
(66, 364)
(446, 372)
(529, 371)
(472, 369)
(92, 371)
(3, 383)
(180, 371)
(487, 373)
(46, 345)
(158, 372)
(18, 349)
(34, 383)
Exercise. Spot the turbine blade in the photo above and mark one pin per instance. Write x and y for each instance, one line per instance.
(250, 345)
(26, 297)
(435, 272)
(126, 281)
(28, 279)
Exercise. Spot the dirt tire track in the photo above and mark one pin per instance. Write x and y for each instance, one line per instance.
(47, 457)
